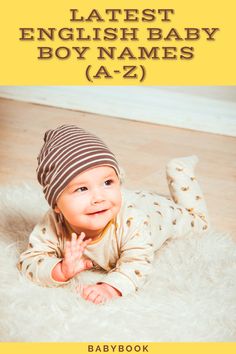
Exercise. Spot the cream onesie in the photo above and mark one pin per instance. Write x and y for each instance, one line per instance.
(125, 249)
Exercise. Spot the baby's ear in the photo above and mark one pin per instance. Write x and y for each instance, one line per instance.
(56, 209)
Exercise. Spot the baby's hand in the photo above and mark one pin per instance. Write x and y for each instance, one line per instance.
(99, 293)
(73, 262)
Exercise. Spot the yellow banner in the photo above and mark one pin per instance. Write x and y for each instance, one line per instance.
(86, 348)
(125, 42)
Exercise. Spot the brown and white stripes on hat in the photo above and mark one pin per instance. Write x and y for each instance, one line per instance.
(67, 151)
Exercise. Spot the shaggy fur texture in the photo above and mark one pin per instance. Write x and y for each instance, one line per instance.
(191, 296)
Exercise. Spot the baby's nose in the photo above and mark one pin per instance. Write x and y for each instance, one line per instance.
(97, 196)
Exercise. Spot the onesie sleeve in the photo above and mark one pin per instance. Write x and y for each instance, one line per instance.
(136, 255)
(43, 252)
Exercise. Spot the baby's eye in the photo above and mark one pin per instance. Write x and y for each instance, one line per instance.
(81, 189)
(108, 182)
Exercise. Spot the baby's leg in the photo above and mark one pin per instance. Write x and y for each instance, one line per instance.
(186, 192)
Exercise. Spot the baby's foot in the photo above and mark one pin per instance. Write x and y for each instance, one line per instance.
(182, 163)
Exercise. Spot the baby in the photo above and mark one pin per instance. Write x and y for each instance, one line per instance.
(95, 223)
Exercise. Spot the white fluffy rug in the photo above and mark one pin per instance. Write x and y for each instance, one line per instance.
(190, 297)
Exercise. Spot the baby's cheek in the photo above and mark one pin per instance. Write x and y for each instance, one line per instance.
(119, 200)
(74, 216)
(116, 209)
(77, 206)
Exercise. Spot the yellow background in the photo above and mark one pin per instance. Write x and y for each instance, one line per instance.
(213, 63)
(154, 348)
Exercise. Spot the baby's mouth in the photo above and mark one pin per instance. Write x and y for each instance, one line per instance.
(98, 212)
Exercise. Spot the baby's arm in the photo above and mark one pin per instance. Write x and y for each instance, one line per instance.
(136, 253)
(45, 254)
(73, 262)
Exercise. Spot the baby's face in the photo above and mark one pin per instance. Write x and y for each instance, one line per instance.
(91, 200)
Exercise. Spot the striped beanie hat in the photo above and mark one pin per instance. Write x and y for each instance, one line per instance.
(67, 151)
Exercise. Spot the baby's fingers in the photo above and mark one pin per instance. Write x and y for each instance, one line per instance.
(86, 242)
(77, 245)
(86, 291)
(80, 238)
(90, 293)
(99, 300)
(76, 241)
(88, 264)
(95, 297)
(81, 244)
(81, 241)
(67, 251)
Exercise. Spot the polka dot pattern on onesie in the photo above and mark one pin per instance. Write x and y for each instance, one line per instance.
(186, 192)
(158, 212)
(128, 222)
(184, 189)
(135, 235)
(19, 266)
